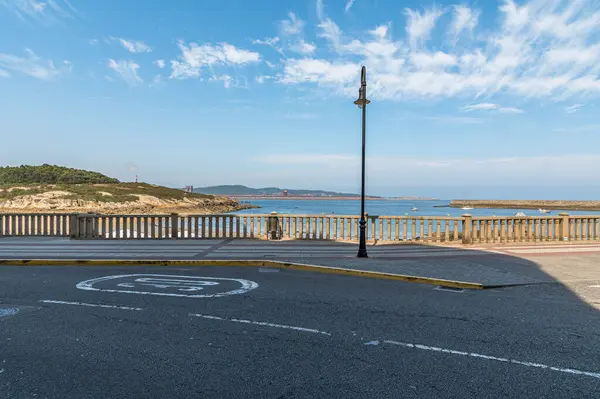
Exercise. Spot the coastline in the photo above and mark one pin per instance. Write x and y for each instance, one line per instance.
(353, 198)
(529, 204)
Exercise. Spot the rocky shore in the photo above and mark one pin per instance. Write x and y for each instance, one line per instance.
(112, 199)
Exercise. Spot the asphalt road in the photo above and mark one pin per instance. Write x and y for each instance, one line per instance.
(157, 332)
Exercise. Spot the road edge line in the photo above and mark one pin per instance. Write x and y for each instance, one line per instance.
(243, 263)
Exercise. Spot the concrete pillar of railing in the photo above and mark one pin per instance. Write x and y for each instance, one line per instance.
(564, 226)
(174, 225)
(74, 226)
(467, 226)
(273, 227)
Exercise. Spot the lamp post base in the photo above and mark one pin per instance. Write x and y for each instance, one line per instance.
(362, 244)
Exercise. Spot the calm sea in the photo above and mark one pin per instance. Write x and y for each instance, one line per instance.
(382, 208)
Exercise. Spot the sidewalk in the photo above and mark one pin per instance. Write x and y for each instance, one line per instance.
(490, 266)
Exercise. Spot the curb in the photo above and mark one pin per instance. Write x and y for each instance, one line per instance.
(241, 263)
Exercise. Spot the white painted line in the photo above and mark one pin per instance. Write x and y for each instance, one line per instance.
(488, 357)
(525, 246)
(553, 250)
(167, 281)
(91, 305)
(260, 323)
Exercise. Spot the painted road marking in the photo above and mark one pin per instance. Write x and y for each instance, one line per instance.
(260, 323)
(8, 312)
(553, 250)
(91, 305)
(486, 357)
(169, 285)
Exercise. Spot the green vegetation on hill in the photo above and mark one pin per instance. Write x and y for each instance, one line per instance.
(243, 190)
(120, 192)
(51, 174)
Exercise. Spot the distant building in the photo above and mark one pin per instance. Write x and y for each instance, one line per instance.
(189, 189)
(285, 193)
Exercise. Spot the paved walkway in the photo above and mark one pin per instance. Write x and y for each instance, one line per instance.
(489, 265)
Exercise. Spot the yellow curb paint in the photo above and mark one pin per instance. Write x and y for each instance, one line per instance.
(243, 263)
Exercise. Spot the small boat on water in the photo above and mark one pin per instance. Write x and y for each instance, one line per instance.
(544, 210)
(414, 209)
(467, 207)
(520, 214)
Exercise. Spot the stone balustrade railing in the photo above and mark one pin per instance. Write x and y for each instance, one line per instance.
(431, 229)
(36, 224)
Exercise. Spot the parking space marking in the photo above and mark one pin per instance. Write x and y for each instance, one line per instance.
(486, 357)
(260, 323)
(91, 305)
(167, 285)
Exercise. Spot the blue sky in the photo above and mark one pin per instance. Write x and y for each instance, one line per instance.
(491, 99)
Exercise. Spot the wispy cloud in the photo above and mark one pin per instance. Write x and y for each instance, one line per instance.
(194, 58)
(420, 24)
(303, 47)
(133, 46)
(33, 66)
(492, 107)
(349, 4)
(573, 108)
(539, 49)
(291, 26)
(160, 63)
(40, 11)
(464, 20)
(126, 70)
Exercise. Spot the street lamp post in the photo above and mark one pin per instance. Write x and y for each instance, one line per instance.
(362, 104)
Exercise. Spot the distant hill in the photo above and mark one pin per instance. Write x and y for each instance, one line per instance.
(51, 174)
(243, 190)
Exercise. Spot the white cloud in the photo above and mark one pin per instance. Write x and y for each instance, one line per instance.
(269, 41)
(303, 47)
(195, 57)
(32, 65)
(328, 29)
(93, 42)
(126, 70)
(291, 26)
(463, 20)
(272, 42)
(44, 12)
(573, 108)
(436, 60)
(510, 110)
(492, 107)
(480, 107)
(349, 4)
(263, 78)
(228, 80)
(419, 25)
(133, 46)
(321, 71)
(539, 49)
(160, 63)
(380, 32)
